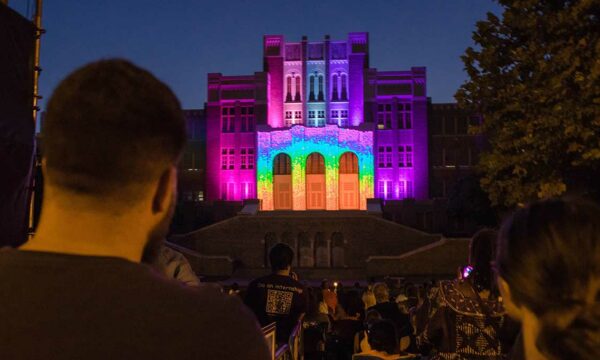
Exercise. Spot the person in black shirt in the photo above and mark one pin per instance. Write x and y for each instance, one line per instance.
(389, 311)
(278, 297)
(113, 136)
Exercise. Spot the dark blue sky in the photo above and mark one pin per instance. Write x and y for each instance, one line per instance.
(182, 40)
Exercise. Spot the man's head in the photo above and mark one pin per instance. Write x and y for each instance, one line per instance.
(111, 138)
(382, 292)
(281, 257)
(382, 336)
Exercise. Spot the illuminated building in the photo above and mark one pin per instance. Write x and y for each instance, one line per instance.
(317, 129)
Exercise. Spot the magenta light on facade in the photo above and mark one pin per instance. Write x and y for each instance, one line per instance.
(317, 97)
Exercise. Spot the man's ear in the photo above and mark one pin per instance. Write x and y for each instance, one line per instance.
(511, 307)
(164, 189)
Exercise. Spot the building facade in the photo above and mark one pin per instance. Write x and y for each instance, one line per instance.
(453, 151)
(317, 129)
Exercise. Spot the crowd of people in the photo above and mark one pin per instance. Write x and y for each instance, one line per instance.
(529, 291)
(91, 283)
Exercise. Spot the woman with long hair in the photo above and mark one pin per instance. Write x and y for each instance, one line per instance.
(548, 265)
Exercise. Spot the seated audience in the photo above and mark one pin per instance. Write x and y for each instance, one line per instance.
(361, 342)
(113, 135)
(368, 298)
(278, 297)
(329, 296)
(383, 341)
(548, 264)
(349, 323)
(316, 325)
(389, 311)
(465, 318)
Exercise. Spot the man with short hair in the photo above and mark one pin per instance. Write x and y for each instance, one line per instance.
(278, 297)
(111, 141)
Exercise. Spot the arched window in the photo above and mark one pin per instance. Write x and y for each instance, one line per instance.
(337, 250)
(321, 96)
(344, 88)
(334, 88)
(321, 250)
(315, 164)
(288, 239)
(288, 96)
(297, 97)
(305, 251)
(282, 165)
(348, 164)
(311, 96)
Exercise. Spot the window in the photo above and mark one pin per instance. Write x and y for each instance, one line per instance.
(343, 121)
(297, 97)
(404, 116)
(247, 158)
(311, 118)
(383, 189)
(384, 157)
(247, 190)
(228, 119)
(227, 158)
(321, 118)
(228, 191)
(401, 156)
(334, 114)
(297, 115)
(344, 88)
(288, 114)
(401, 189)
(247, 119)
(405, 189)
(384, 116)
(311, 96)
(334, 88)
(405, 156)
(321, 96)
(288, 93)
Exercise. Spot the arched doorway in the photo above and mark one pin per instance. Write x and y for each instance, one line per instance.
(282, 182)
(348, 187)
(315, 182)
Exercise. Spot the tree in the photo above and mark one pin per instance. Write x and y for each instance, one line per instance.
(534, 77)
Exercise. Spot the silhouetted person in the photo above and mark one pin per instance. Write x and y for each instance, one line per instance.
(464, 318)
(383, 342)
(548, 263)
(278, 297)
(111, 141)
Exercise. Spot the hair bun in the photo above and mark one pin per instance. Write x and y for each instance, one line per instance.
(579, 340)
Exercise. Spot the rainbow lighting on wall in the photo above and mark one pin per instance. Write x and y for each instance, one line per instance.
(299, 142)
(317, 129)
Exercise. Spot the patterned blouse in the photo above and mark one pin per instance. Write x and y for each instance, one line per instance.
(453, 326)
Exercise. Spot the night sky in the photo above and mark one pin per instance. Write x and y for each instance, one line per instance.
(182, 40)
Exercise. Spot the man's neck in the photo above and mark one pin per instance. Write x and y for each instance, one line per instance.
(282, 272)
(530, 328)
(88, 233)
